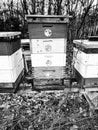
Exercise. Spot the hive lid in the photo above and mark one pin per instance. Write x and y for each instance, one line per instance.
(48, 18)
(86, 43)
(93, 38)
(9, 34)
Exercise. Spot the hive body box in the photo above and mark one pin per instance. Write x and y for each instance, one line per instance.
(11, 62)
(86, 61)
(48, 40)
(9, 44)
(44, 46)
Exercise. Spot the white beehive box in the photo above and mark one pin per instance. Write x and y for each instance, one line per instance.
(88, 59)
(57, 45)
(85, 58)
(40, 60)
(9, 62)
(11, 75)
(87, 71)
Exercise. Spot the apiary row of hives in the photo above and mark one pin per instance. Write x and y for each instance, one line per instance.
(48, 40)
(48, 50)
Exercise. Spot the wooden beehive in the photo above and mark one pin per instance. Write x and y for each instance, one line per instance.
(48, 41)
(11, 62)
(85, 60)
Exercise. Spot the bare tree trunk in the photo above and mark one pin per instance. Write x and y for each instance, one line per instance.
(25, 7)
(49, 7)
(59, 12)
(84, 16)
(33, 2)
(43, 5)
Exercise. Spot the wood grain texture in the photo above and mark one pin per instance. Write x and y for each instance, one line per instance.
(36, 31)
(48, 72)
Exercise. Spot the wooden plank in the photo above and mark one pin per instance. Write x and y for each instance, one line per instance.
(49, 72)
(54, 87)
(37, 31)
(9, 34)
(49, 87)
(48, 16)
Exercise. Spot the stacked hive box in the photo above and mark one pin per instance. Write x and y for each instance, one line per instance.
(48, 36)
(11, 62)
(86, 61)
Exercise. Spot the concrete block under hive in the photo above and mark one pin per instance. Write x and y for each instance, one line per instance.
(11, 62)
(85, 61)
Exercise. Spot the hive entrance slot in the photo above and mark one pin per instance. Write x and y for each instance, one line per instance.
(45, 26)
(48, 70)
